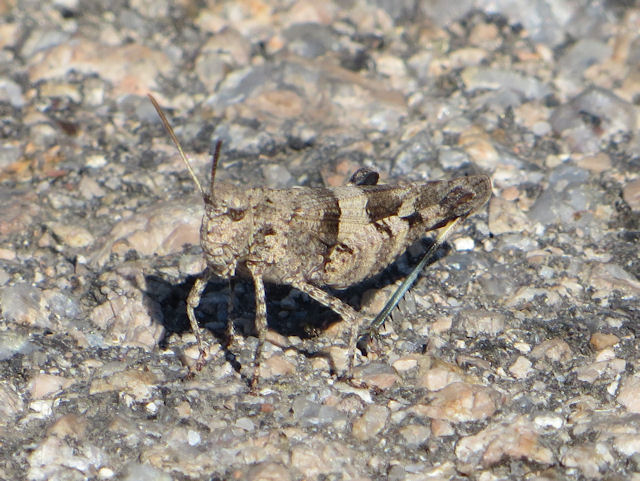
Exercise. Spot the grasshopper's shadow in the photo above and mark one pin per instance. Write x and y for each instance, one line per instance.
(303, 317)
(172, 298)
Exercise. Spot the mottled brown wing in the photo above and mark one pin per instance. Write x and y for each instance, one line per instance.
(340, 211)
(356, 204)
(333, 214)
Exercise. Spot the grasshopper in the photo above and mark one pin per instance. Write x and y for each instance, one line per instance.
(310, 237)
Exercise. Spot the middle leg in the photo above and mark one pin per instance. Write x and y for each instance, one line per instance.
(260, 322)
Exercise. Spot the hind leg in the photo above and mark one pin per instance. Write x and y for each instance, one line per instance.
(345, 311)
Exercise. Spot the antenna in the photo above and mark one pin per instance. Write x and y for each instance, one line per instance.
(169, 129)
(214, 165)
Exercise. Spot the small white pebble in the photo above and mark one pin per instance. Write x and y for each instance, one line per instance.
(522, 347)
(193, 437)
(245, 423)
(554, 422)
(464, 244)
(96, 161)
(152, 407)
(44, 407)
(405, 364)
(612, 388)
(521, 368)
(106, 473)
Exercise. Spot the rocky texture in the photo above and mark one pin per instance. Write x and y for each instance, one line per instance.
(514, 356)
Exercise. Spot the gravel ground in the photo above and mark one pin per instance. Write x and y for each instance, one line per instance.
(515, 356)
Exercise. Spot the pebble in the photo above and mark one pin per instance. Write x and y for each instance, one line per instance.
(629, 394)
(564, 199)
(497, 79)
(43, 386)
(69, 425)
(11, 93)
(460, 402)
(464, 244)
(631, 194)
(276, 366)
(133, 69)
(324, 457)
(11, 404)
(440, 428)
(591, 459)
(548, 421)
(268, 472)
(627, 444)
(478, 146)
(72, 235)
(521, 368)
(311, 413)
(143, 472)
(555, 350)
(601, 340)
(161, 230)
(90, 189)
(405, 364)
(615, 115)
(582, 54)
(415, 435)
(371, 423)
(12, 343)
(598, 163)
(140, 384)
(605, 277)
(53, 457)
(481, 322)
(25, 304)
(19, 211)
(378, 375)
(514, 439)
(437, 376)
(605, 369)
(506, 217)
(130, 321)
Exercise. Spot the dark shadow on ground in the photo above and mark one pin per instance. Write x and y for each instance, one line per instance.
(289, 312)
(305, 317)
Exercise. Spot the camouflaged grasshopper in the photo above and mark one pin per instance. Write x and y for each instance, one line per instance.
(308, 237)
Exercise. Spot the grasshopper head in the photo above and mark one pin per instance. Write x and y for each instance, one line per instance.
(226, 229)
